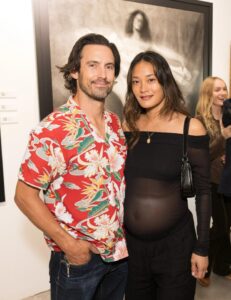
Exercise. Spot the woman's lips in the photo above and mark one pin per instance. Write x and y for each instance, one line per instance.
(146, 97)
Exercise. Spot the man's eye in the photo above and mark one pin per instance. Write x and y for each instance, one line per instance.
(110, 67)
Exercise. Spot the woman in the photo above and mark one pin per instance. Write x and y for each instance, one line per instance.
(225, 186)
(213, 92)
(165, 256)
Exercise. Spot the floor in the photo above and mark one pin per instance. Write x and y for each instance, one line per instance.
(220, 289)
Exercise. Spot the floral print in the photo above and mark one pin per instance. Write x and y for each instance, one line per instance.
(81, 175)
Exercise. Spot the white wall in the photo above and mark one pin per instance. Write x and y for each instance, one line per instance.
(221, 38)
(23, 253)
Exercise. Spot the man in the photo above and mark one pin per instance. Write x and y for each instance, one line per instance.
(76, 156)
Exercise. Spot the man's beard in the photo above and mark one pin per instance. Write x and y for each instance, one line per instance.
(97, 94)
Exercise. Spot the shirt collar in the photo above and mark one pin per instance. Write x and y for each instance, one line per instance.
(76, 109)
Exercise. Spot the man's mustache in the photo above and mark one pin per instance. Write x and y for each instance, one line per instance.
(103, 81)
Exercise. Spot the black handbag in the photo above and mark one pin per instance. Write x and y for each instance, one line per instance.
(187, 187)
(226, 113)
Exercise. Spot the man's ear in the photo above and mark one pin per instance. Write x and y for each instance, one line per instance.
(75, 75)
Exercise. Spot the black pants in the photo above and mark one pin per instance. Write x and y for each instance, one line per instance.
(220, 247)
(161, 269)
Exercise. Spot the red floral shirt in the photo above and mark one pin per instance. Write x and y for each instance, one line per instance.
(81, 175)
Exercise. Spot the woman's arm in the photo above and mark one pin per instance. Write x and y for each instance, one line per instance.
(198, 151)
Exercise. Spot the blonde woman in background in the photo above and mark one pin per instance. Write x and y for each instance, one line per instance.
(213, 92)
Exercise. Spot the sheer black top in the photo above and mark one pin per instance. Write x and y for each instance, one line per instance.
(153, 203)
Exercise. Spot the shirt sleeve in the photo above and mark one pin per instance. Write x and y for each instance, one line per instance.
(43, 160)
(198, 152)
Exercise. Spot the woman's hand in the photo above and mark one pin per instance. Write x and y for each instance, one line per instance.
(199, 265)
(223, 159)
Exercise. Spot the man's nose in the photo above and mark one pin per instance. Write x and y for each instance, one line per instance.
(102, 72)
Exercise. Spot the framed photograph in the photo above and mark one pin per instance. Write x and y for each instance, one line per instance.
(2, 189)
(230, 73)
(180, 30)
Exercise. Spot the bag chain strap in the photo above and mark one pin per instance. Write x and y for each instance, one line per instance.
(185, 138)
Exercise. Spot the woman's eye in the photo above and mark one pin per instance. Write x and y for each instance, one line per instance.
(134, 82)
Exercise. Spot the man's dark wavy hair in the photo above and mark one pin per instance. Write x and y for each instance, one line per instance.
(73, 64)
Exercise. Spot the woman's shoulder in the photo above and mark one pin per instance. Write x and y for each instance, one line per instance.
(196, 127)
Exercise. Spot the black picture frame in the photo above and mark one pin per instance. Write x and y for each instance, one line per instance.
(230, 72)
(41, 20)
(2, 188)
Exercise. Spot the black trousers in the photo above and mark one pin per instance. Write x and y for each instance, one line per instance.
(161, 269)
(220, 247)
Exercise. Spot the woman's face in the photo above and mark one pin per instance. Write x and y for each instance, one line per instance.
(146, 87)
(219, 92)
(138, 22)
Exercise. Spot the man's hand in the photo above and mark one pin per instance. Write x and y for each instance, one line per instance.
(199, 265)
(80, 252)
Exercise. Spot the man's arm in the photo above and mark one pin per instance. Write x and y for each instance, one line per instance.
(28, 200)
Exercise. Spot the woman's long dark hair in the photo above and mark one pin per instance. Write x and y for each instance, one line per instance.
(173, 102)
(145, 33)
